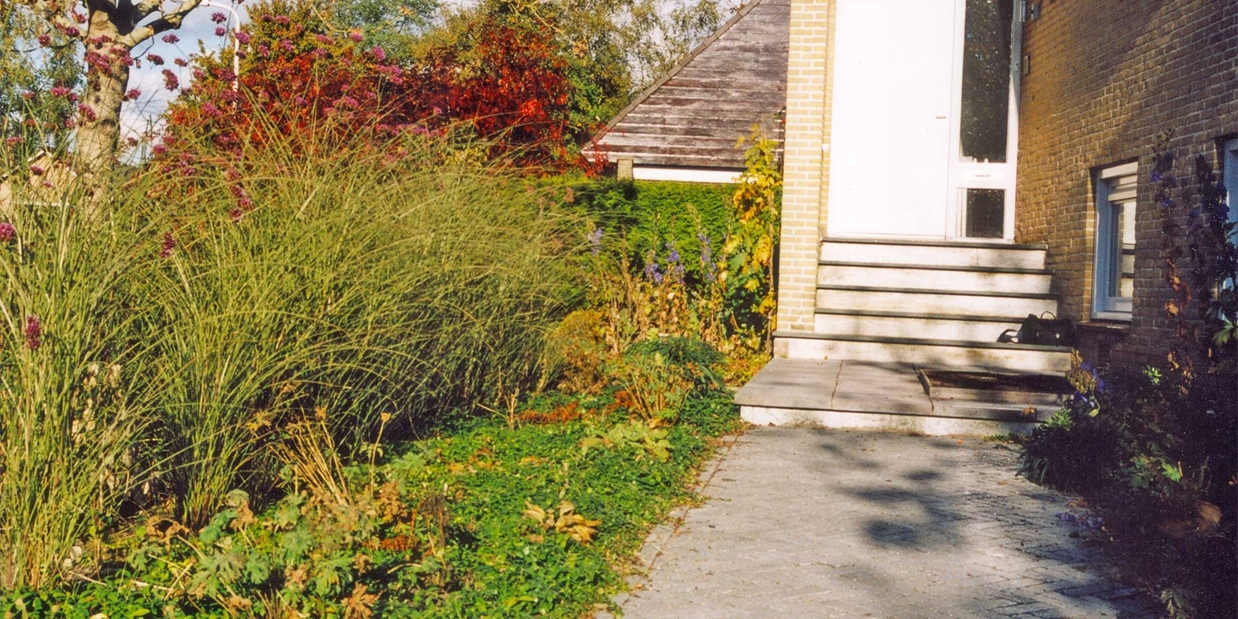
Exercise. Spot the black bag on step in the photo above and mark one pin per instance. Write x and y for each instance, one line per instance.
(1042, 331)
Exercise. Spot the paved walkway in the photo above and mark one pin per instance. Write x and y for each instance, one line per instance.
(802, 522)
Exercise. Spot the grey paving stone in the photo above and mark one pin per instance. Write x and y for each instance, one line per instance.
(802, 522)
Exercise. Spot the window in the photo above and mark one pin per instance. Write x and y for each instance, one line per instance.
(1231, 179)
(1231, 193)
(1115, 242)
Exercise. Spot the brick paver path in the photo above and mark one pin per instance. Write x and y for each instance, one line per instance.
(803, 522)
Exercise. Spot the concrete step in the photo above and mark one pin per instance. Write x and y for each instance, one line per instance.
(884, 396)
(874, 299)
(966, 328)
(934, 277)
(943, 253)
(922, 351)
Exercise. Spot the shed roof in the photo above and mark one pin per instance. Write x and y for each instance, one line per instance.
(693, 116)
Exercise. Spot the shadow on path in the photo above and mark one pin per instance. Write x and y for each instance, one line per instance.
(815, 523)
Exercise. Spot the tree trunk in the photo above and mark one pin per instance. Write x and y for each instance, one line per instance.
(98, 118)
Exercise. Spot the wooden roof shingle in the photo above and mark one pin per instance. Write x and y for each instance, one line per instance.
(693, 116)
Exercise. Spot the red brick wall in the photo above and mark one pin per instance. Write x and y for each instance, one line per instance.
(1105, 77)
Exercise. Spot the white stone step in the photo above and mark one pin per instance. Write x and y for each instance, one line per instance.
(884, 422)
(933, 253)
(927, 326)
(933, 302)
(932, 277)
(923, 351)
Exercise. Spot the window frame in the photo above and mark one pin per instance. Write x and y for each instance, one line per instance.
(1229, 178)
(1229, 175)
(1105, 267)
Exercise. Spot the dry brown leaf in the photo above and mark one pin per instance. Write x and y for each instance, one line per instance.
(358, 605)
(1209, 516)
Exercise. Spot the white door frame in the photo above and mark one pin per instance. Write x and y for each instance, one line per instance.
(966, 175)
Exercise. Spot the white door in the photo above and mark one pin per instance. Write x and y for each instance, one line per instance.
(924, 119)
(893, 85)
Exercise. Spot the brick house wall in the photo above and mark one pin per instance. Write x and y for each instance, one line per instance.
(806, 161)
(1102, 79)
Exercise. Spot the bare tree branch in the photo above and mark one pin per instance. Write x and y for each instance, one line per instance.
(171, 20)
(146, 7)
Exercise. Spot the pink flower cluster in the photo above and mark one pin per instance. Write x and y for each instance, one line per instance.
(34, 332)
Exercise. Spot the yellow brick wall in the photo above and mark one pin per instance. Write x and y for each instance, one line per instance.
(805, 163)
(1107, 76)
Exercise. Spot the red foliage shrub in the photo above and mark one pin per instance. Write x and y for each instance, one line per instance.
(296, 84)
(510, 84)
(304, 89)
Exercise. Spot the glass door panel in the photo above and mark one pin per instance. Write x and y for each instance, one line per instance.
(983, 162)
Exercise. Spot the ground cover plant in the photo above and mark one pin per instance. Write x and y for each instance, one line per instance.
(1153, 449)
(487, 520)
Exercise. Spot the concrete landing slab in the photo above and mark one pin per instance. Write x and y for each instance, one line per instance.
(882, 395)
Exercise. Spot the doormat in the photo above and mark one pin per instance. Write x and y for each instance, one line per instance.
(986, 381)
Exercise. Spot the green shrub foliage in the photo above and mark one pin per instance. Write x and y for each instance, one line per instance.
(1155, 450)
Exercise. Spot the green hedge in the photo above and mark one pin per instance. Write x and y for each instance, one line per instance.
(658, 215)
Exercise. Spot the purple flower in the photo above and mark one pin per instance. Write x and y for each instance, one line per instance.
(170, 38)
(595, 241)
(379, 54)
(282, 20)
(236, 214)
(44, 39)
(133, 94)
(323, 39)
(286, 45)
(707, 258)
(355, 35)
(170, 81)
(242, 37)
(169, 243)
(219, 17)
(7, 231)
(36, 170)
(220, 31)
(652, 271)
(34, 332)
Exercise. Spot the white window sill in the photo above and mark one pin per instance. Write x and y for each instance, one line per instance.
(1122, 316)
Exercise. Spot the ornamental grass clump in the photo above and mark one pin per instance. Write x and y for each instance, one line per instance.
(346, 285)
(73, 408)
(165, 334)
